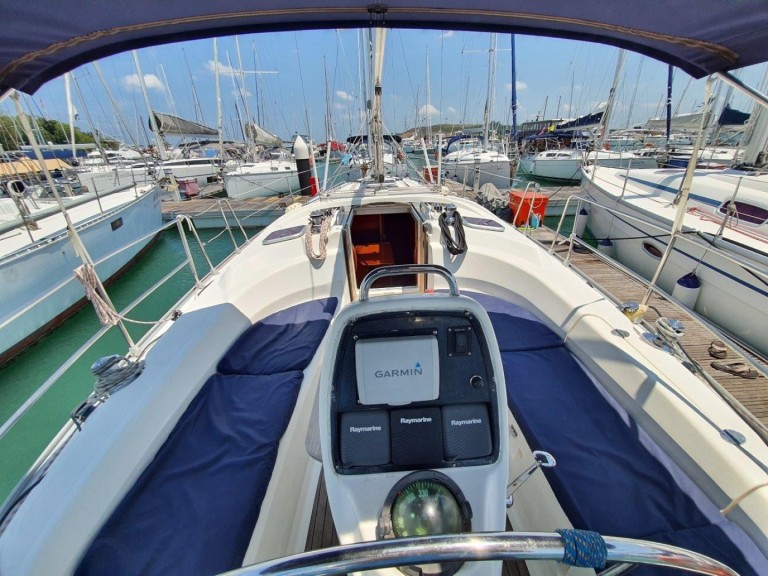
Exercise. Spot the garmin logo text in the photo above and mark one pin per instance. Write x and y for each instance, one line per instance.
(359, 429)
(422, 420)
(399, 373)
(467, 422)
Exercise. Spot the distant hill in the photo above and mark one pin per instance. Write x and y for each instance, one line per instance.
(454, 128)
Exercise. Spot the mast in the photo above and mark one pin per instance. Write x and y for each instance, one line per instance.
(366, 52)
(244, 93)
(219, 115)
(669, 103)
(199, 117)
(94, 131)
(235, 91)
(489, 98)
(428, 117)
(328, 128)
(70, 112)
(377, 70)
(514, 86)
(158, 138)
(611, 95)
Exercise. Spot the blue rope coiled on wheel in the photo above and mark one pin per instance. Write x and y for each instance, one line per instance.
(583, 548)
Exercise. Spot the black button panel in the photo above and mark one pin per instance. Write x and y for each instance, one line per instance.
(417, 436)
(365, 438)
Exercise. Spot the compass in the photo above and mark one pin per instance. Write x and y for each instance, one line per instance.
(425, 503)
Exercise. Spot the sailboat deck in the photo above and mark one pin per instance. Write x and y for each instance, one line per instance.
(752, 394)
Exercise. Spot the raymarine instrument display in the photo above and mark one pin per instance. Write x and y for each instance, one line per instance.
(397, 371)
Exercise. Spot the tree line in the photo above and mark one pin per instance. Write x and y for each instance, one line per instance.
(12, 135)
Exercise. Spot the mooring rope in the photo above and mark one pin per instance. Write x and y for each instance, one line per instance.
(322, 242)
(108, 316)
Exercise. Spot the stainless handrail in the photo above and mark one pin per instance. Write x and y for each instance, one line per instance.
(475, 547)
(403, 269)
(54, 210)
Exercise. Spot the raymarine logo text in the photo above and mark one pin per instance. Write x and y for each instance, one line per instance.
(467, 422)
(359, 429)
(422, 420)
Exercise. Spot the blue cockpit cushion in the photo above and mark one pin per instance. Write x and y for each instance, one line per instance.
(611, 477)
(516, 328)
(284, 341)
(194, 508)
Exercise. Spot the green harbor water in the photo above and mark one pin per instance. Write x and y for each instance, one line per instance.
(27, 372)
(20, 378)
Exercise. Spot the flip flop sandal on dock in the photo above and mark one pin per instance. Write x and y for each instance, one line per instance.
(717, 349)
(736, 368)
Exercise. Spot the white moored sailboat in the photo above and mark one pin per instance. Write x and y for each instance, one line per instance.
(481, 163)
(402, 359)
(725, 243)
(36, 266)
(272, 172)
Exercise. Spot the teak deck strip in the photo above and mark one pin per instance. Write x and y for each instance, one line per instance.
(752, 394)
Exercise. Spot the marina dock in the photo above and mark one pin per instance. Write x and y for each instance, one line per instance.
(623, 286)
(220, 212)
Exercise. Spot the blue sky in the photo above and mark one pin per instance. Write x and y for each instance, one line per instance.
(554, 78)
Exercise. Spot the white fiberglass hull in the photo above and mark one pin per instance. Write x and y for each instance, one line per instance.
(487, 167)
(567, 166)
(731, 295)
(204, 172)
(565, 169)
(27, 275)
(261, 180)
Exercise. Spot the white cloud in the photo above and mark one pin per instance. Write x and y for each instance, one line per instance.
(338, 106)
(243, 93)
(520, 86)
(429, 109)
(451, 110)
(224, 69)
(343, 95)
(447, 34)
(151, 81)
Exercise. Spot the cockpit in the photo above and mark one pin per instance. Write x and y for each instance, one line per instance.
(412, 412)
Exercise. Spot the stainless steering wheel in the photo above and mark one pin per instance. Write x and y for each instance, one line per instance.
(477, 547)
